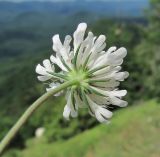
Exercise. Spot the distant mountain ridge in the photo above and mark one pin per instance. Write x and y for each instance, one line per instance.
(108, 8)
(25, 21)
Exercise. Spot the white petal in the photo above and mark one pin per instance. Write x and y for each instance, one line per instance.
(101, 48)
(53, 86)
(118, 102)
(121, 76)
(98, 44)
(53, 59)
(99, 99)
(107, 70)
(41, 70)
(102, 114)
(111, 49)
(97, 48)
(67, 42)
(112, 61)
(105, 112)
(111, 57)
(87, 44)
(111, 72)
(43, 78)
(102, 92)
(116, 57)
(115, 75)
(79, 102)
(66, 112)
(101, 39)
(118, 93)
(64, 54)
(58, 62)
(120, 53)
(62, 50)
(79, 35)
(101, 118)
(73, 112)
(57, 45)
(113, 96)
(47, 65)
(100, 61)
(107, 85)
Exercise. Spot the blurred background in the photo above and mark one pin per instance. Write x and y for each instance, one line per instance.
(26, 29)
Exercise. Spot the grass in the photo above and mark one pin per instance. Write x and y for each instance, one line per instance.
(133, 132)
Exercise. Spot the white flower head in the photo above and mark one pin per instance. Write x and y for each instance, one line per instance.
(98, 71)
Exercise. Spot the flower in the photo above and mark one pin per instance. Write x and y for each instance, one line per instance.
(98, 71)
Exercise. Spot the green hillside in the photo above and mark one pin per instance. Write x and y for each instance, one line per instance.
(133, 131)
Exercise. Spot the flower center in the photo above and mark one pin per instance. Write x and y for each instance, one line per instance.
(80, 75)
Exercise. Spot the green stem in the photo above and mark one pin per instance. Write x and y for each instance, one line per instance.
(12, 133)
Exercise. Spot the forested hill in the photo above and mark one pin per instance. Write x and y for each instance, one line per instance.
(125, 8)
(28, 24)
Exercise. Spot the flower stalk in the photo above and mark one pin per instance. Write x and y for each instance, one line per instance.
(14, 130)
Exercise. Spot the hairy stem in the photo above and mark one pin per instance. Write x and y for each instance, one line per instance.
(12, 133)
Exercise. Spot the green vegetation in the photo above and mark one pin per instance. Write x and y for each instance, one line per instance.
(133, 132)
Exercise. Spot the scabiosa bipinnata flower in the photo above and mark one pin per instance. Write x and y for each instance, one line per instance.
(98, 73)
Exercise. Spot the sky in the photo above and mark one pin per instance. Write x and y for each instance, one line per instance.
(64, 0)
